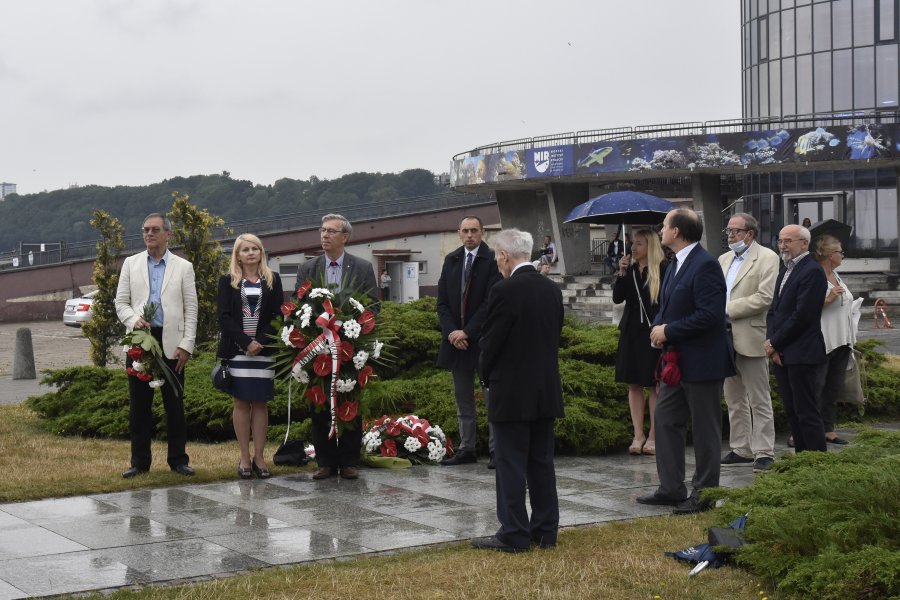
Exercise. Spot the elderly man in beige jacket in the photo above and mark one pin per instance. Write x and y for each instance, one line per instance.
(750, 271)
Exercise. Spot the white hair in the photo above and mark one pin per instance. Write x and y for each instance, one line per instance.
(513, 242)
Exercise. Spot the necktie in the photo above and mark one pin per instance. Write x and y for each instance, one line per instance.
(334, 275)
(468, 271)
(333, 264)
(467, 275)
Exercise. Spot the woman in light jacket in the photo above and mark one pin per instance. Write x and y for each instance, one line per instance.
(250, 296)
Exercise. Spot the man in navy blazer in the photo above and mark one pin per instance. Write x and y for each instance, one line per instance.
(462, 307)
(690, 321)
(794, 336)
(338, 269)
(520, 367)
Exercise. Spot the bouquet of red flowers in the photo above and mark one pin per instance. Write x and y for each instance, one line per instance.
(407, 437)
(147, 356)
(327, 340)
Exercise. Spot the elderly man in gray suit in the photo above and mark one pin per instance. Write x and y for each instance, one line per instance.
(750, 271)
(339, 269)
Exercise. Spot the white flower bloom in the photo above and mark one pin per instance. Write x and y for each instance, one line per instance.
(436, 451)
(156, 383)
(320, 292)
(285, 335)
(372, 441)
(376, 349)
(138, 366)
(352, 329)
(359, 361)
(436, 431)
(412, 444)
(345, 385)
(305, 315)
(357, 305)
(299, 374)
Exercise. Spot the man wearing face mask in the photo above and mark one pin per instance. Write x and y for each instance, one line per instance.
(750, 271)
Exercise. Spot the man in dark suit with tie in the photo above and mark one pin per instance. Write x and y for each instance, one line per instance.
(339, 269)
(467, 276)
(690, 321)
(794, 336)
(520, 367)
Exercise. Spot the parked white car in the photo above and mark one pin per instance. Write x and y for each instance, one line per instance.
(78, 310)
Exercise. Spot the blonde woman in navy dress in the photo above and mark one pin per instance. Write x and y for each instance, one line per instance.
(249, 298)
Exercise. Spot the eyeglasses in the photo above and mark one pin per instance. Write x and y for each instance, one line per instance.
(329, 231)
(734, 230)
(152, 229)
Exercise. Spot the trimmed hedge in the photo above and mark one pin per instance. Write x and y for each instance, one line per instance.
(93, 402)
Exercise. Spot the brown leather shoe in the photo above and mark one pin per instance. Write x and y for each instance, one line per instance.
(323, 473)
(349, 472)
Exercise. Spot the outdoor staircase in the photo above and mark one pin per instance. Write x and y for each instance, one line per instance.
(587, 297)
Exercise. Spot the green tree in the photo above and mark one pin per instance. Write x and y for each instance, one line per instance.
(193, 232)
(103, 329)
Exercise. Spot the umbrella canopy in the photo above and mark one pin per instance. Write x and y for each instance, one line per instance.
(704, 555)
(833, 227)
(626, 208)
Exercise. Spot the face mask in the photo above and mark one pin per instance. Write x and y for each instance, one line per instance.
(738, 246)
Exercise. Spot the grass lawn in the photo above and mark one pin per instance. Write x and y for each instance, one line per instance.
(622, 560)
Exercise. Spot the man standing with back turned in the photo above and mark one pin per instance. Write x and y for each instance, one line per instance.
(159, 277)
(691, 322)
(338, 269)
(468, 274)
(520, 367)
(750, 271)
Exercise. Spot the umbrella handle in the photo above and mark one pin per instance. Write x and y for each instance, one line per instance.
(700, 566)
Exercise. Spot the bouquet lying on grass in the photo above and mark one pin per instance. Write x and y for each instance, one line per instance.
(327, 340)
(407, 437)
(147, 358)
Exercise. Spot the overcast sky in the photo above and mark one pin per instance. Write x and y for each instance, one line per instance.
(116, 92)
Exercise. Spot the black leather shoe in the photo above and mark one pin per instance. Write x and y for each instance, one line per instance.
(657, 499)
(460, 458)
(690, 506)
(491, 464)
(132, 472)
(183, 470)
(837, 440)
(492, 543)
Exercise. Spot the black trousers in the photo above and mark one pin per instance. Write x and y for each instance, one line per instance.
(141, 422)
(830, 383)
(797, 388)
(340, 451)
(523, 454)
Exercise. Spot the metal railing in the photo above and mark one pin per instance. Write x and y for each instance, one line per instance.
(308, 219)
(684, 129)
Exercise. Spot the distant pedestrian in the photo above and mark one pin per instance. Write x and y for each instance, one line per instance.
(385, 286)
(548, 251)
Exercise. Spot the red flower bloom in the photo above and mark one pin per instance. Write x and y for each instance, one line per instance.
(322, 364)
(422, 437)
(367, 321)
(315, 395)
(393, 429)
(347, 351)
(131, 372)
(304, 289)
(288, 308)
(145, 376)
(135, 353)
(296, 338)
(384, 419)
(389, 448)
(348, 410)
(364, 375)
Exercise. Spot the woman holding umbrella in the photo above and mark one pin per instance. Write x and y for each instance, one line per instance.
(638, 285)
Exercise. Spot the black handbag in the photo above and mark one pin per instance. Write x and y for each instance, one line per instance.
(221, 378)
(291, 453)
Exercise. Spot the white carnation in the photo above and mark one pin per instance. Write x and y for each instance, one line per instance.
(137, 366)
(345, 385)
(376, 349)
(436, 451)
(436, 431)
(299, 374)
(320, 292)
(357, 305)
(352, 329)
(305, 315)
(372, 441)
(412, 444)
(156, 383)
(359, 361)
(286, 334)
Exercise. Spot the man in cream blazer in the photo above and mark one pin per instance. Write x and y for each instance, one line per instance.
(750, 271)
(159, 276)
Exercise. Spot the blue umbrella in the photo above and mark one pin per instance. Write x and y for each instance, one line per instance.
(703, 555)
(626, 208)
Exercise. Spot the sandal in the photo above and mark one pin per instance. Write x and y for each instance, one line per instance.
(635, 448)
(261, 472)
(244, 472)
(649, 448)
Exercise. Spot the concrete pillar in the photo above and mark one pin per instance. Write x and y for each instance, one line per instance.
(573, 240)
(526, 210)
(707, 195)
(23, 361)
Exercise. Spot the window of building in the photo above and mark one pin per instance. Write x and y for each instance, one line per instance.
(746, 46)
(886, 18)
(822, 78)
(804, 29)
(842, 78)
(787, 33)
(788, 91)
(763, 37)
(863, 77)
(804, 84)
(754, 91)
(764, 90)
(822, 27)
(753, 12)
(806, 181)
(865, 212)
(886, 69)
(774, 35)
(887, 219)
(775, 88)
(754, 45)
(787, 3)
(841, 33)
(863, 22)
(824, 181)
